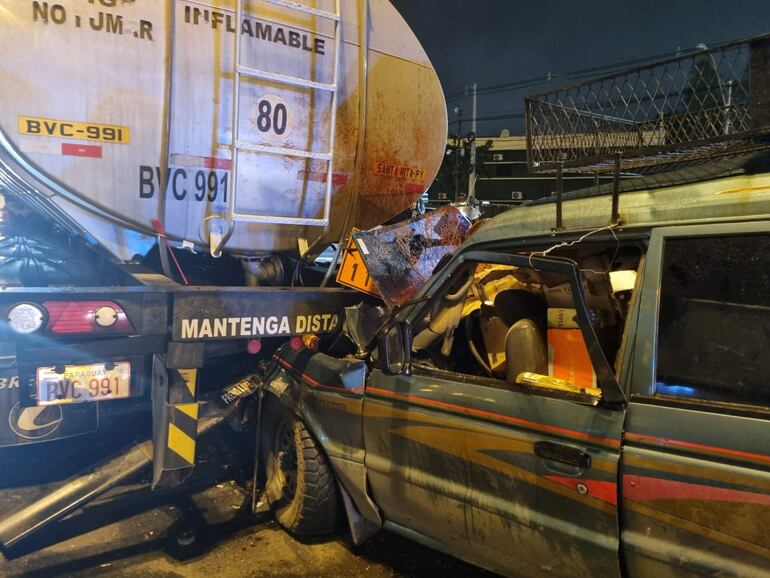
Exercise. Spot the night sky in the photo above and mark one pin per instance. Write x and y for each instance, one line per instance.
(494, 42)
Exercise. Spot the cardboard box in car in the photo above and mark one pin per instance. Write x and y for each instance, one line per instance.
(568, 356)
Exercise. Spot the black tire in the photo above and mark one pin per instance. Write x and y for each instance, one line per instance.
(300, 485)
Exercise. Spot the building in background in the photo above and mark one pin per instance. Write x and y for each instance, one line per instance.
(503, 179)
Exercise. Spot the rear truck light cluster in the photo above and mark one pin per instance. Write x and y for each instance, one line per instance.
(69, 317)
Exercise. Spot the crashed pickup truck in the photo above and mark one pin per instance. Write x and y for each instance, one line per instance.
(582, 389)
(581, 403)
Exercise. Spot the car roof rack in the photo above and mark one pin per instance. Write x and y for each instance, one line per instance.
(704, 105)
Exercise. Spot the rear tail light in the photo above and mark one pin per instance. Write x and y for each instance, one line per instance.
(86, 317)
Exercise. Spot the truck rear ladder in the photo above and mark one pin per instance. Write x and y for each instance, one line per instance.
(238, 145)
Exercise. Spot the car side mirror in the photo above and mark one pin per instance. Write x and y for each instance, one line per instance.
(394, 349)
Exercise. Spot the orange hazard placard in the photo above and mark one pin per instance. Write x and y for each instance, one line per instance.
(353, 272)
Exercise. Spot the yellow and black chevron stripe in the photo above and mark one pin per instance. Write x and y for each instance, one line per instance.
(182, 435)
(183, 385)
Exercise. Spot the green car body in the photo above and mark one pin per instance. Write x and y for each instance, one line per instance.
(664, 472)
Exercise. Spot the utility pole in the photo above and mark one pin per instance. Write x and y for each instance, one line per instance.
(472, 176)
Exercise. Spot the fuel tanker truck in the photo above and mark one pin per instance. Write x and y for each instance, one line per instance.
(146, 146)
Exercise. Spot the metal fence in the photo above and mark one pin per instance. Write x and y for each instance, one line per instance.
(706, 104)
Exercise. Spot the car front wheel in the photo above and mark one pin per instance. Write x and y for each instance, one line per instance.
(300, 486)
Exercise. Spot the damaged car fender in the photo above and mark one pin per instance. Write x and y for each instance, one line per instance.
(327, 394)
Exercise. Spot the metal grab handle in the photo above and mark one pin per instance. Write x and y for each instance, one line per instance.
(565, 454)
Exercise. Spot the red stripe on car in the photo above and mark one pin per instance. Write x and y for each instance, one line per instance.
(312, 381)
(641, 488)
(698, 447)
(506, 418)
(604, 491)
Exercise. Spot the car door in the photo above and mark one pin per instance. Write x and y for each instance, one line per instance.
(518, 480)
(696, 459)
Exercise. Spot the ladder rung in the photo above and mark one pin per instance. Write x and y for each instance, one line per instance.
(306, 9)
(256, 73)
(278, 220)
(247, 146)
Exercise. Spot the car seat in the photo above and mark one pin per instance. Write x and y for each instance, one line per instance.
(524, 350)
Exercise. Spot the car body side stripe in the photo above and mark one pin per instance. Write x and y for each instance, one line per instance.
(495, 416)
(640, 488)
(662, 442)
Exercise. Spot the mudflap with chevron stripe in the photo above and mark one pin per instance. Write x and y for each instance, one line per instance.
(175, 422)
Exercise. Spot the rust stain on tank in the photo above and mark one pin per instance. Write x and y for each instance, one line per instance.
(406, 126)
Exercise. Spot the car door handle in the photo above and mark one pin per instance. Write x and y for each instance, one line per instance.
(565, 454)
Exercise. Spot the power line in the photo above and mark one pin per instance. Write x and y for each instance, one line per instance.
(629, 62)
(502, 115)
(576, 74)
(512, 116)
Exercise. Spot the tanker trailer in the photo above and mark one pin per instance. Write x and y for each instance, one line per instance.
(255, 127)
(258, 128)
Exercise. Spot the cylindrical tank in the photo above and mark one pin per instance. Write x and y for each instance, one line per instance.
(116, 113)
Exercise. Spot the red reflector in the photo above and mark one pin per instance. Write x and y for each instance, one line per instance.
(77, 150)
(414, 188)
(85, 317)
(215, 163)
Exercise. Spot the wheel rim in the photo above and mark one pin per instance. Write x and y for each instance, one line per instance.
(287, 459)
(284, 462)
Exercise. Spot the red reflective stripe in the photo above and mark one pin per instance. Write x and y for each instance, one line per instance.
(412, 188)
(498, 416)
(320, 176)
(689, 445)
(601, 490)
(638, 488)
(77, 150)
(216, 163)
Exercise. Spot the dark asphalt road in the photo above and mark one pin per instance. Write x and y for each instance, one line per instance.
(135, 533)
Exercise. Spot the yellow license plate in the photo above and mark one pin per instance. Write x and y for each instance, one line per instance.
(83, 383)
(55, 128)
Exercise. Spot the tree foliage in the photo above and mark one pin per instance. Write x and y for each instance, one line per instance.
(457, 166)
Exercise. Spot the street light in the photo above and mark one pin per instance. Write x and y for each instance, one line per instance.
(459, 114)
